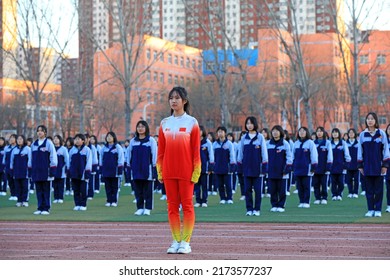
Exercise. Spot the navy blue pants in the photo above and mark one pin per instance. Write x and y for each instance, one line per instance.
(79, 192)
(91, 185)
(97, 181)
(3, 182)
(363, 182)
(143, 193)
(253, 184)
(11, 184)
(277, 188)
(58, 186)
(112, 186)
(21, 189)
(374, 192)
(43, 195)
(201, 188)
(320, 184)
(352, 179)
(388, 191)
(303, 186)
(337, 184)
(224, 184)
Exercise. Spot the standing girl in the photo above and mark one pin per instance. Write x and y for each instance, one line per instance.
(353, 175)
(388, 173)
(7, 165)
(141, 161)
(3, 181)
(325, 160)
(62, 167)
(111, 165)
(279, 166)
(21, 169)
(179, 136)
(96, 180)
(69, 143)
(373, 162)
(254, 158)
(341, 160)
(44, 165)
(212, 188)
(80, 166)
(305, 162)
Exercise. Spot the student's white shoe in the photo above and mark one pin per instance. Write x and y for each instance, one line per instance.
(163, 197)
(363, 193)
(300, 205)
(377, 214)
(90, 198)
(55, 201)
(204, 205)
(355, 195)
(38, 212)
(60, 201)
(96, 191)
(67, 193)
(222, 201)
(274, 209)
(256, 213)
(76, 208)
(18, 204)
(197, 205)
(147, 212)
(45, 213)
(324, 201)
(83, 208)
(306, 205)
(316, 202)
(249, 213)
(214, 193)
(25, 204)
(135, 201)
(296, 191)
(31, 191)
(370, 213)
(108, 204)
(388, 209)
(114, 204)
(230, 201)
(334, 198)
(139, 212)
(350, 195)
(242, 197)
(184, 248)
(288, 193)
(173, 248)
(281, 210)
(339, 198)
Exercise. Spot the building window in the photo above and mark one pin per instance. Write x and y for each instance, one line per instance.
(148, 75)
(363, 79)
(176, 60)
(381, 59)
(155, 55)
(188, 62)
(162, 78)
(155, 77)
(381, 81)
(148, 54)
(382, 120)
(169, 58)
(169, 79)
(364, 59)
(162, 57)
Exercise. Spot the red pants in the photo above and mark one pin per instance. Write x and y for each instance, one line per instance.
(180, 192)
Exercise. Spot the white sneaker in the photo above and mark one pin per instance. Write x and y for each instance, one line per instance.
(114, 204)
(18, 204)
(214, 193)
(67, 193)
(363, 193)
(163, 197)
(281, 210)
(135, 201)
(339, 198)
(60, 201)
(76, 208)
(173, 248)
(316, 202)
(334, 198)
(197, 205)
(147, 212)
(31, 191)
(13, 198)
(306, 205)
(388, 209)
(274, 209)
(377, 214)
(96, 191)
(370, 213)
(350, 195)
(233, 191)
(249, 213)
(45, 213)
(38, 212)
(355, 195)
(139, 212)
(300, 205)
(296, 191)
(230, 201)
(90, 198)
(222, 201)
(25, 204)
(204, 205)
(184, 248)
(108, 204)
(242, 197)
(83, 208)
(256, 213)
(209, 193)
(288, 193)
(324, 201)
(55, 201)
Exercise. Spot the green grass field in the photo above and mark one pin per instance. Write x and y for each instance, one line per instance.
(346, 211)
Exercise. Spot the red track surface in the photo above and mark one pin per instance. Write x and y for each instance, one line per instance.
(123, 241)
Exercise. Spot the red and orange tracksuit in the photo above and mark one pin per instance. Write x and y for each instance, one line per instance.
(179, 165)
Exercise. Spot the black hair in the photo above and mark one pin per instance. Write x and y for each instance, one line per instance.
(182, 92)
(307, 137)
(70, 140)
(375, 118)
(14, 136)
(203, 132)
(24, 140)
(231, 135)
(145, 124)
(94, 138)
(280, 129)
(253, 121)
(387, 128)
(43, 128)
(268, 134)
(113, 136)
(212, 136)
(30, 139)
(5, 142)
(321, 128)
(286, 135)
(222, 128)
(80, 135)
(354, 132)
(338, 132)
(59, 138)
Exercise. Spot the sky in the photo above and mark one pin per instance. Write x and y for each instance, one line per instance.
(378, 11)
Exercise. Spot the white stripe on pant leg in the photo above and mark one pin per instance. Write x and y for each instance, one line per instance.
(154, 185)
(310, 182)
(119, 186)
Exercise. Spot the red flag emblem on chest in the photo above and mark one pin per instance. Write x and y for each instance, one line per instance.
(182, 129)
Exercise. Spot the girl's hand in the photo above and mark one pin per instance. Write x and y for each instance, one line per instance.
(361, 171)
(384, 170)
(161, 181)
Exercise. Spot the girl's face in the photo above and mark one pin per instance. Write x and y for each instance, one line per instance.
(1, 142)
(275, 134)
(230, 138)
(249, 125)
(40, 133)
(388, 131)
(221, 134)
(335, 135)
(78, 142)
(92, 141)
(265, 134)
(210, 137)
(109, 138)
(320, 134)
(302, 133)
(176, 102)
(19, 141)
(370, 121)
(345, 137)
(141, 129)
(351, 134)
(56, 141)
(12, 140)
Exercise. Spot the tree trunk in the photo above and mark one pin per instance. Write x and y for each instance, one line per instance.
(308, 114)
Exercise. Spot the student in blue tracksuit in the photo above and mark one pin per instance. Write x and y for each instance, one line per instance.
(3, 181)
(127, 172)
(43, 168)
(290, 175)
(7, 165)
(111, 165)
(240, 175)
(341, 160)
(305, 162)
(211, 182)
(21, 168)
(267, 136)
(207, 161)
(373, 162)
(254, 159)
(69, 143)
(96, 180)
(353, 175)
(95, 164)
(225, 161)
(80, 167)
(30, 140)
(279, 166)
(388, 173)
(141, 161)
(62, 167)
(230, 137)
(325, 160)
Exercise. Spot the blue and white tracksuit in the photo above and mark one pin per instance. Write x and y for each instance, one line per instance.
(388, 180)
(341, 160)
(225, 161)
(207, 161)
(21, 169)
(321, 176)
(373, 154)
(43, 168)
(111, 166)
(353, 175)
(7, 168)
(3, 178)
(60, 176)
(254, 158)
(95, 165)
(305, 162)
(279, 166)
(80, 168)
